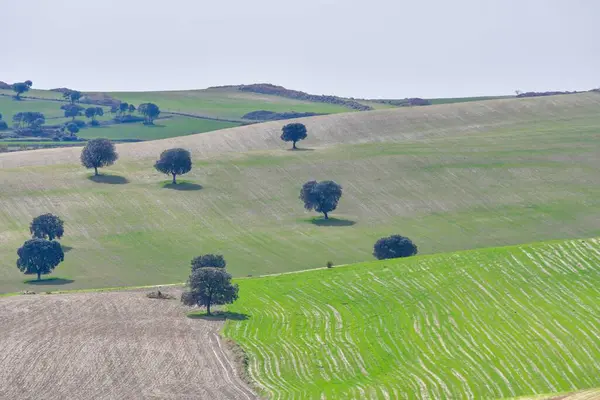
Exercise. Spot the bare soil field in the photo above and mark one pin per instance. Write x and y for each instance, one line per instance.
(117, 345)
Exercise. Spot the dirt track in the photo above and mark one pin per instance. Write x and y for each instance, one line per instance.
(118, 345)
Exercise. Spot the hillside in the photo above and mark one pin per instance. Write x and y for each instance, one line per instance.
(46, 102)
(450, 177)
(484, 324)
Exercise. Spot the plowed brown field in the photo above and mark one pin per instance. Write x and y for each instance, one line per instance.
(119, 345)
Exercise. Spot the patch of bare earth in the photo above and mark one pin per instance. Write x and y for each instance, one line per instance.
(116, 345)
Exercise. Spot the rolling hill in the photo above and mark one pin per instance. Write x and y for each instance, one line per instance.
(451, 177)
(184, 112)
(482, 324)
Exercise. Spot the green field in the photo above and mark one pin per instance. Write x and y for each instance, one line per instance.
(9, 107)
(450, 177)
(484, 324)
(449, 100)
(224, 103)
(162, 128)
(172, 126)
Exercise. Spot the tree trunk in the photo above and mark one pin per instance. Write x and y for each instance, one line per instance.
(326, 216)
(208, 309)
(96, 171)
(294, 146)
(39, 276)
(174, 180)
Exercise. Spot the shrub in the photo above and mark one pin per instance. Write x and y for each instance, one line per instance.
(394, 246)
(160, 295)
(329, 264)
(3, 125)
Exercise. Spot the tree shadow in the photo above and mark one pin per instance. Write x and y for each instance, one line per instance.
(109, 179)
(66, 249)
(49, 281)
(219, 316)
(300, 149)
(332, 222)
(183, 186)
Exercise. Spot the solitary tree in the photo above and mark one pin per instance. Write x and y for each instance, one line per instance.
(322, 196)
(394, 246)
(39, 256)
(47, 226)
(73, 110)
(174, 162)
(20, 88)
(208, 261)
(93, 112)
(293, 133)
(150, 111)
(72, 96)
(98, 153)
(210, 286)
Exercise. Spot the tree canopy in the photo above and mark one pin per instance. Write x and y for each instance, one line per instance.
(72, 96)
(394, 246)
(174, 162)
(39, 257)
(322, 196)
(123, 107)
(47, 226)
(150, 111)
(210, 286)
(98, 153)
(93, 112)
(208, 261)
(72, 128)
(293, 133)
(21, 87)
(29, 119)
(73, 110)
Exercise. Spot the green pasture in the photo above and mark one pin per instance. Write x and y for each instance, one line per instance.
(483, 324)
(531, 180)
(224, 103)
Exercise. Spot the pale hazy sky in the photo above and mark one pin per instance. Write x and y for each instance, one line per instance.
(368, 48)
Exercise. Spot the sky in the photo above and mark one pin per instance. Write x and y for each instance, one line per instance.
(363, 49)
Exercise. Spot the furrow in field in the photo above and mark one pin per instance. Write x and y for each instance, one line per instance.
(483, 324)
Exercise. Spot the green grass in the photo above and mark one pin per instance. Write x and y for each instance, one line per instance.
(450, 100)
(510, 177)
(224, 103)
(9, 107)
(484, 324)
(163, 128)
